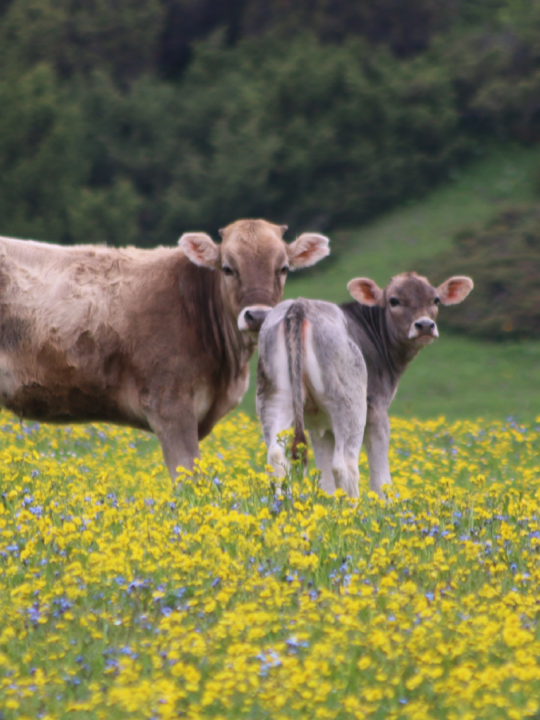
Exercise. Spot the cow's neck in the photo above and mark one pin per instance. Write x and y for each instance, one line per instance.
(384, 357)
(218, 330)
(234, 348)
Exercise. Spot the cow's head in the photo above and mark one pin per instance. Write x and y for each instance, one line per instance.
(254, 261)
(411, 303)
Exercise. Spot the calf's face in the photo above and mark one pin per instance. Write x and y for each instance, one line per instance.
(253, 260)
(411, 304)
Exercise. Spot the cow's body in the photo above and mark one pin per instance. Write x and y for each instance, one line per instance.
(146, 338)
(311, 373)
(101, 334)
(312, 368)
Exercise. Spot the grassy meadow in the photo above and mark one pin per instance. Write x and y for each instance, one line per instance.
(126, 595)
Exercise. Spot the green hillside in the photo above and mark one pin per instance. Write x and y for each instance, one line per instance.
(455, 377)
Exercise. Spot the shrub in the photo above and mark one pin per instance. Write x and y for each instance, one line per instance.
(307, 133)
(503, 258)
(298, 132)
(495, 70)
(41, 164)
(76, 37)
(96, 145)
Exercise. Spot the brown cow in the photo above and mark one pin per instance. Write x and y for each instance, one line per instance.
(148, 338)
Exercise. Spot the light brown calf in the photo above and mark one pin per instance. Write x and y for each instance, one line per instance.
(391, 326)
(154, 339)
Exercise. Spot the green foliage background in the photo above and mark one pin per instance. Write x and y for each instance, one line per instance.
(504, 258)
(130, 122)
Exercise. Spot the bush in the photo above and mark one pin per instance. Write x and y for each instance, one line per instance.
(95, 144)
(405, 27)
(298, 132)
(41, 164)
(304, 133)
(77, 38)
(495, 71)
(503, 259)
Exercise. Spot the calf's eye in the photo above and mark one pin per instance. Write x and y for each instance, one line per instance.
(227, 270)
(394, 302)
(437, 300)
(284, 270)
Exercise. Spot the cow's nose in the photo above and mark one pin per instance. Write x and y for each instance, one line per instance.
(423, 329)
(252, 318)
(424, 324)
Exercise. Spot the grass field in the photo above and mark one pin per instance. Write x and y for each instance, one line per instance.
(124, 595)
(456, 377)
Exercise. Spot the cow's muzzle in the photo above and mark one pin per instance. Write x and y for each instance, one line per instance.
(251, 318)
(424, 330)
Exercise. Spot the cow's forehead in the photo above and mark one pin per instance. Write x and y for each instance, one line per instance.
(411, 287)
(252, 235)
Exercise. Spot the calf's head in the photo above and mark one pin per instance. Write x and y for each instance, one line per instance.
(411, 304)
(253, 260)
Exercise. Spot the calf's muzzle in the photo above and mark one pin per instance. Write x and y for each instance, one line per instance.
(423, 328)
(251, 318)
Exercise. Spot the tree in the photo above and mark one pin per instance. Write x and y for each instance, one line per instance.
(80, 36)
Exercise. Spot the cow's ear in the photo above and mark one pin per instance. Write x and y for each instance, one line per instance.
(200, 249)
(307, 250)
(365, 291)
(455, 289)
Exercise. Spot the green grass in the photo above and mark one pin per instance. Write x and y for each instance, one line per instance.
(456, 377)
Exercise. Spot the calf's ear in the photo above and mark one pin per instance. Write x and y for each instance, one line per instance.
(307, 250)
(455, 289)
(365, 291)
(200, 249)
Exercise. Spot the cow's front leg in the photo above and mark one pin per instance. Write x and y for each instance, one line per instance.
(176, 429)
(377, 442)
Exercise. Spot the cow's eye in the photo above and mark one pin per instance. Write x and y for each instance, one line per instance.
(284, 270)
(227, 270)
(394, 302)
(437, 300)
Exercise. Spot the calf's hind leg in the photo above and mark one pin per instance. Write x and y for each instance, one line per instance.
(323, 451)
(338, 461)
(339, 379)
(276, 415)
(348, 433)
(346, 405)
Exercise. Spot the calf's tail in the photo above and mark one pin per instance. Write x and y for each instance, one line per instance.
(294, 320)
